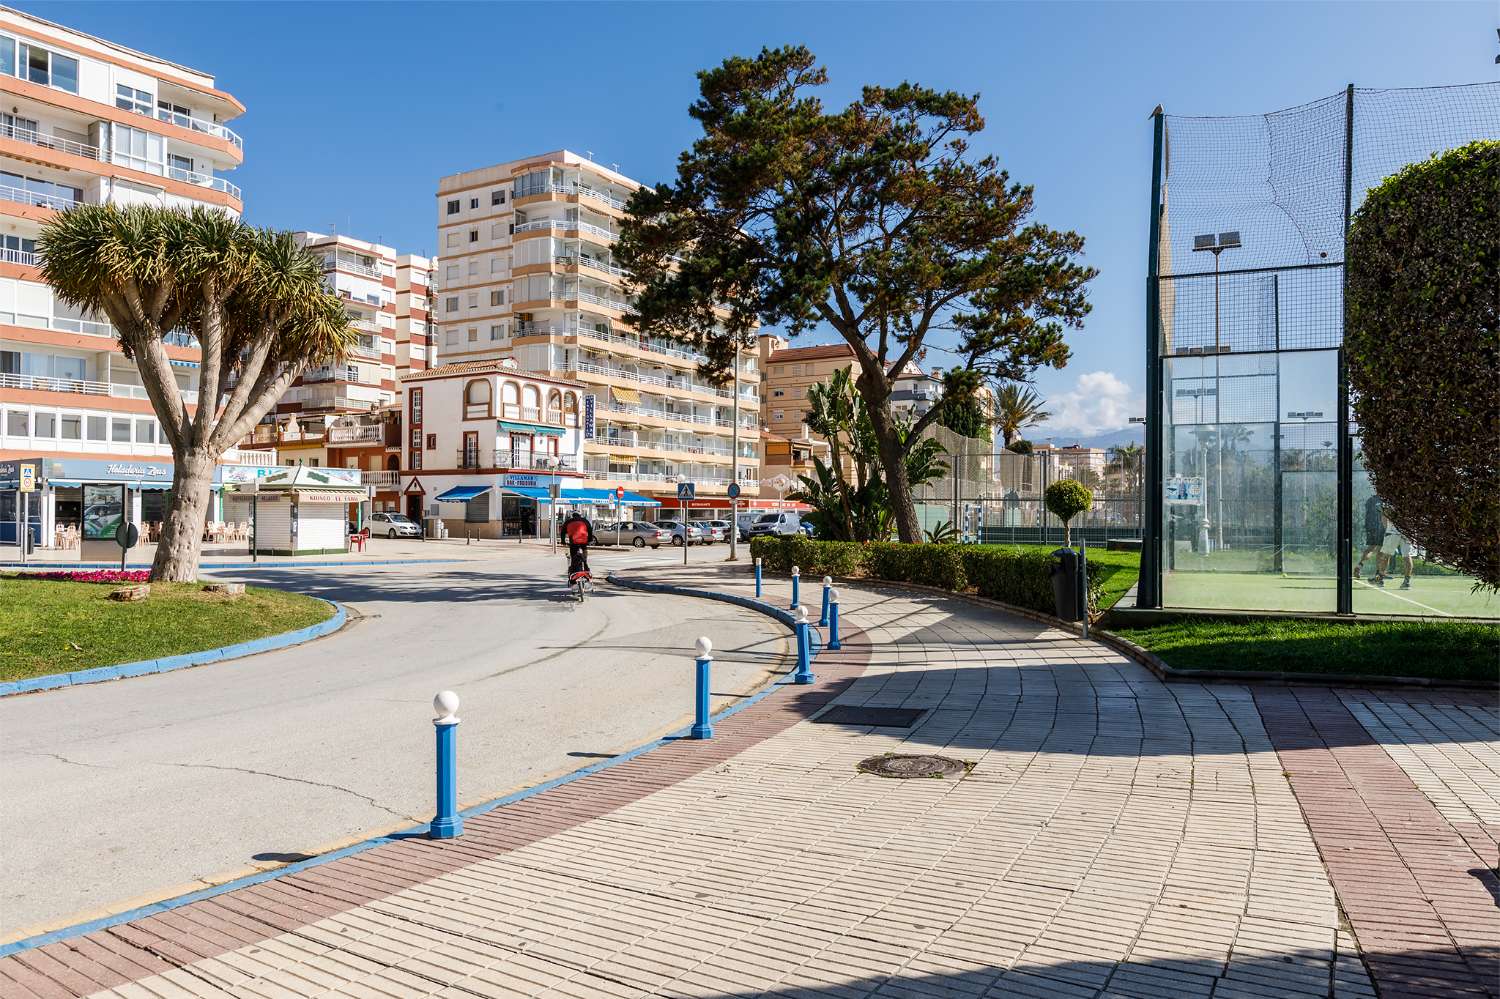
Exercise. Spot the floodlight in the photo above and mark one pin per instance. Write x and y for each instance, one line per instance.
(1229, 240)
(1204, 242)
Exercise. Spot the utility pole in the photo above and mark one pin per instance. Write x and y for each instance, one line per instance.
(734, 474)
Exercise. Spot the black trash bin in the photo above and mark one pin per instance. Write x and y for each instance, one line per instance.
(1065, 602)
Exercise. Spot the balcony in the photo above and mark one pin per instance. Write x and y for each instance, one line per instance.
(566, 225)
(574, 190)
(44, 141)
(349, 266)
(367, 351)
(371, 433)
(37, 199)
(475, 459)
(23, 257)
(680, 384)
(256, 457)
(590, 263)
(200, 125)
(385, 477)
(205, 180)
(326, 373)
(82, 386)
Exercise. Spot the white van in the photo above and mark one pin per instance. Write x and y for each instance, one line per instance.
(784, 524)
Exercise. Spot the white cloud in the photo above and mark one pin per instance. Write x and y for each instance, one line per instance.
(1097, 403)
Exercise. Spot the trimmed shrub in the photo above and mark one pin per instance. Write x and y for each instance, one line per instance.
(1066, 499)
(1422, 339)
(941, 566)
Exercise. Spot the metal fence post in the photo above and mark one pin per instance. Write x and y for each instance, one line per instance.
(833, 621)
(827, 586)
(702, 728)
(796, 586)
(757, 579)
(804, 652)
(1083, 591)
(446, 824)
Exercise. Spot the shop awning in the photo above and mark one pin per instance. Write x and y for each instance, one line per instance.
(635, 499)
(529, 428)
(628, 396)
(535, 492)
(462, 494)
(331, 496)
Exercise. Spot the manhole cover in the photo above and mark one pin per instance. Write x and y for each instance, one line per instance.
(849, 714)
(906, 767)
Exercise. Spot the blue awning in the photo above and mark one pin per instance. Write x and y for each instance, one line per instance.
(462, 494)
(535, 492)
(606, 497)
(636, 499)
(529, 428)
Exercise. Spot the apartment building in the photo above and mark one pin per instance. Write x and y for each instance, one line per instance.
(787, 374)
(87, 121)
(527, 272)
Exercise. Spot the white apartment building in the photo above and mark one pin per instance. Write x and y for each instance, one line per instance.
(527, 271)
(413, 313)
(87, 121)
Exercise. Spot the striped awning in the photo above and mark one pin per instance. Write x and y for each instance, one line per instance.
(628, 396)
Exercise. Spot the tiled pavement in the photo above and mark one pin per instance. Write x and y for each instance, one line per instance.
(1117, 836)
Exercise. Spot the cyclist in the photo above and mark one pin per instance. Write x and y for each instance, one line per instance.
(579, 534)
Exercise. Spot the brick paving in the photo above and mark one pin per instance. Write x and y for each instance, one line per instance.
(1116, 837)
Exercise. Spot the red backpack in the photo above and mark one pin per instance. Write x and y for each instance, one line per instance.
(578, 532)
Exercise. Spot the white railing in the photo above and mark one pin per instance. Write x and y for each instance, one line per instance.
(199, 125)
(566, 225)
(260, 458)
(384, 477)
(35, 138)
(356, 435)
(123, 391)
(339, 263)
(592, 299)
(365, 351)
(44, 383)
(23, 257)
(677, 384)
(205, 180)
(61, 324)
(661, 444)
(575, 190)
(39, 200)
(660, 414)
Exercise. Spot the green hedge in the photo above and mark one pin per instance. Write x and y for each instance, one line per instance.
(1019, 577)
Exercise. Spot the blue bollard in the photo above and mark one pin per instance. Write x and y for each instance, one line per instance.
(446, 824)
(833, 620)
(796, 586)
(757, 579)
(804, 650)
(702, 728)
(827, 586)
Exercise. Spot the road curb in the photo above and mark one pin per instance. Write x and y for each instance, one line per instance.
(167, 664)
(750, 603)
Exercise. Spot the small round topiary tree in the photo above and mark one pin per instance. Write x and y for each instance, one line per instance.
(1422, 342)
(1066, 499)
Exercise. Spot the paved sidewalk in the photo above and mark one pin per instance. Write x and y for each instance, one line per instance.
(1116, 836)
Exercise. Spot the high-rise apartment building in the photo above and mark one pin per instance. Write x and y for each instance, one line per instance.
(527, 271)
(87, 121)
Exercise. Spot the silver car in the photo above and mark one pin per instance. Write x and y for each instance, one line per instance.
(632, 532)
(718, 529)
(394, 525)
(694, 534)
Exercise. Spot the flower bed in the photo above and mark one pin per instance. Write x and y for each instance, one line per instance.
(94, 576)
(1018, 576)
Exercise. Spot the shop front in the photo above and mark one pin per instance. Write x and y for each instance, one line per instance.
(78, 503)
(298, 511)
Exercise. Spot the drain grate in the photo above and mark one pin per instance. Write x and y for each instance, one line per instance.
(849, 714)
(909, 767)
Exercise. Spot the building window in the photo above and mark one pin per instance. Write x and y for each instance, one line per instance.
(473, 299)
(497, 297)
(17, 423)
(119, 431)
(497, 230)
(178, 166)
(453, 207)
(497, 332)
(72, 428)
(494, 265)
(98, 426)
(453, 239)
(416, 460)
(452, 338)
(451, 303)
(174, 113)
(137, 149)
(452, 272)
(473, 268)
(50, 69)
(44, 425)
(473, 334)
(131, 99)
(145, 432)
(478, 400)
(473, 235)
(473, 203)
(414, 401)
(7, 55)
(432, 442)
(570, 409)
(497, 198)
(778, 393)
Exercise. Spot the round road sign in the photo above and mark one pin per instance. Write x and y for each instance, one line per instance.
(619, 492)
(734, 490)
(127, 535)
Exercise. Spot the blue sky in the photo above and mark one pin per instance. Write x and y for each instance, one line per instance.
(356, 109)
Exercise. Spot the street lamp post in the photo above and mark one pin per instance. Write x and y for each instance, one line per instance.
(734, 476)
(1217, 245)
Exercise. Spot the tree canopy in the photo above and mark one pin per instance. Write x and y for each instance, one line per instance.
(1422, 341)
(875, 220)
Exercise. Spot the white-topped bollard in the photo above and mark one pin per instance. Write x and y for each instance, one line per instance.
(702, 728)
(833, 620)
(757, 579)
(827, 587)
(796, 587)
(447, 823)
(803, 674)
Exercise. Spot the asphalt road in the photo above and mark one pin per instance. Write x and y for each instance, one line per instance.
(119, 793)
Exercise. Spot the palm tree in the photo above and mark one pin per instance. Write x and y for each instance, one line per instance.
(253, 298)
(1017, 407)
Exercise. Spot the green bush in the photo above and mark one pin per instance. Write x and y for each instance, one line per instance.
(1066, 499)
(1020, 577)
(1422, 339)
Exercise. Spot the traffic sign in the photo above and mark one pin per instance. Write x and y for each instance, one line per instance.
(619, 492)
(127, 535)
(28, 478)
(734, 490)
(686, 490)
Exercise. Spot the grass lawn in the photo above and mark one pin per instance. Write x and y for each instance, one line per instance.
(1119, 569)
(1449, 650)
(56, 627)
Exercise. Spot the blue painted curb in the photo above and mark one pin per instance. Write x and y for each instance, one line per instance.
(167, 664)
(69, 566)
(167, 905)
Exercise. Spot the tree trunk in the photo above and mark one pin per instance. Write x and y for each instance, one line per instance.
(182, 532)
(1068, 533)
(893, 459)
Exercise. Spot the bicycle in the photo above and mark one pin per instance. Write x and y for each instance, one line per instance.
(582, 584)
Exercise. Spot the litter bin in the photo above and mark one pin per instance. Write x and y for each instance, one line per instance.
(1065, 602)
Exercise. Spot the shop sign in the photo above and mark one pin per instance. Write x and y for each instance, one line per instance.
(122, 470)
(588, 417)
(525, 480)
(93, 470)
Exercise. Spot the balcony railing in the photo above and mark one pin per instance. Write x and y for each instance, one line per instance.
(366, 351)
(346, 373)
(200, 125)
(367, 434)
(566, 225)
(384, 477)
(342, 264)
(679, 384)
(258, 457)
(205, 180)
(479, 458)
(25, 258)
(580, 260)
(35, 138)
(25, 197)
(576, 190)
(82, 386)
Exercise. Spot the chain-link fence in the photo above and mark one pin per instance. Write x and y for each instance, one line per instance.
(1255, 495)
(995, 496)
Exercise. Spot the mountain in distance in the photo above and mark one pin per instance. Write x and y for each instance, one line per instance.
(1133, 434)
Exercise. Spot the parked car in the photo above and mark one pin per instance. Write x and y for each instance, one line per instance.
(632, 532)
(394, 525)
(783, 524)
(806, 528)
(682, 533)
(743, 522)
(718, 529)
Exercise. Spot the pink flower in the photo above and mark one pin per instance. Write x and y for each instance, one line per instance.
(94, 576)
